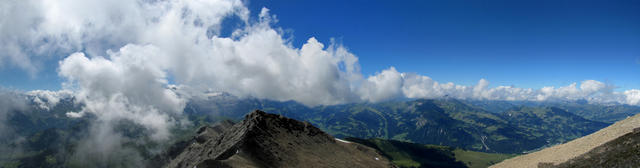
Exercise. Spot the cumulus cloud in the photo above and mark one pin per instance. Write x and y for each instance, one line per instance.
(382, 86)
(46, 99)
(120, 87)
(120, 54)
(123, 87)
(123, 56)
(632, 97)
(14, 29)
(179, 39)
(416, 86)
(123, 60)
(126, 46)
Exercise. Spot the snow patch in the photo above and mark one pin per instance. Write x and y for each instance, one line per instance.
(343, 141)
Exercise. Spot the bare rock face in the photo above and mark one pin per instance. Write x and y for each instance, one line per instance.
(269, 140)
(207, 132)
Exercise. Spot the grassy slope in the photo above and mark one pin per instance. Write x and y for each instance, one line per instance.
(475, 159)
(405, 154)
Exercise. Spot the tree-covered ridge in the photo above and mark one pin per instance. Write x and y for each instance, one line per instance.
(452, 122)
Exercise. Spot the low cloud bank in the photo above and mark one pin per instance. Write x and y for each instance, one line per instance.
(123, 55)
(10, 102)
(130, 50)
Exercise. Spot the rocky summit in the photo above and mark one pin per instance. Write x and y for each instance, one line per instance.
(270, 140)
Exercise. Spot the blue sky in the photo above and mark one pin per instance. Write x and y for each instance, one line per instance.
(527, 44)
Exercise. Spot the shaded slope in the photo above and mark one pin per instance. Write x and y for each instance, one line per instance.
(405, 154)
(476, 159)
(269, 140)
(202, 135)
(554, 125)
(621, 152)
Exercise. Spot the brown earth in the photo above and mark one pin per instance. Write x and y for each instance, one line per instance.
(558, 154)
(621, 152)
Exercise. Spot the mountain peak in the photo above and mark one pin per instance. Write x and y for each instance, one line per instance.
(271, 140)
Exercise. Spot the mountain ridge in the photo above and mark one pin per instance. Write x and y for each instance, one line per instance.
(270, 140)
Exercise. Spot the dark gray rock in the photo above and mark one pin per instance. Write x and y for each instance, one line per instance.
(269, 140)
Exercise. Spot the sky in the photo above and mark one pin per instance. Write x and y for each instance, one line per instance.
(143, 60)
(321, 52)
(528, 44)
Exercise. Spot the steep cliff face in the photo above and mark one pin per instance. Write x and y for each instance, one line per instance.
(269, 140)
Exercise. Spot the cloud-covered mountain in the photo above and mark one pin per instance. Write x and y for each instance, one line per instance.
(37, 130)
(142, 62)
(123, 57)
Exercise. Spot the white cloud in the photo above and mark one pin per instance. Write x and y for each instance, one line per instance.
(382, 86)
(416, 86)
(14, 32)
(171, 39)
(46, 99)
(124, 86)
(143, 42)
(632, 97)
(34, 30)
(123, 53)
(10, 102)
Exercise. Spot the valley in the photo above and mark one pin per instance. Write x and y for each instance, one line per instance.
(451, 127)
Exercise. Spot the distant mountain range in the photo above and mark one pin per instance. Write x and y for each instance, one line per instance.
(47, 138)
(268, 140)
(516, 128)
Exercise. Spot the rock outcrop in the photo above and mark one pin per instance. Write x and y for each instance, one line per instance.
(270, 140)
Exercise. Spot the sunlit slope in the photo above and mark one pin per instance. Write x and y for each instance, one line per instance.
(406, 154)
(563, 152)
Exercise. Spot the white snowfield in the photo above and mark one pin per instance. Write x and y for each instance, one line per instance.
(563, 152)
(343, 141)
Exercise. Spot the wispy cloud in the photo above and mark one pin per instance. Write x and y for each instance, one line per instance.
(10, 102)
